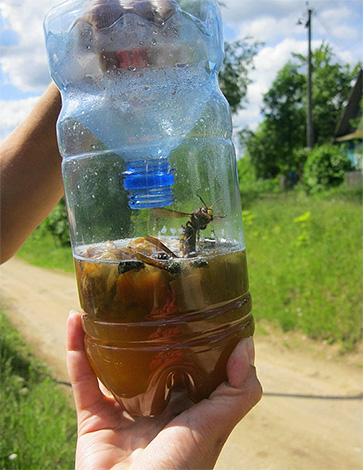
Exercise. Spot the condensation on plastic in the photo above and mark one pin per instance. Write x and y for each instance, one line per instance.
(146, 139)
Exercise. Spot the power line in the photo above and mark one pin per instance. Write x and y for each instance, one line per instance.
(330, 37)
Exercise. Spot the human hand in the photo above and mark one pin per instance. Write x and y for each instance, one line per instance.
(109, 439)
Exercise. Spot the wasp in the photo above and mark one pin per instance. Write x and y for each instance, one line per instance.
(150, 250)
(198, 220)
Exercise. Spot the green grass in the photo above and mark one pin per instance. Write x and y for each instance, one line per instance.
(304, 257)
(41, 250)
(305, 264)
(38, 424)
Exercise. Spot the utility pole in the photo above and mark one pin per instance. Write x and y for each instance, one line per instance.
(309, 114)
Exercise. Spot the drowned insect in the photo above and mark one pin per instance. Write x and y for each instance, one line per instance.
(143, 249)
(198, 220)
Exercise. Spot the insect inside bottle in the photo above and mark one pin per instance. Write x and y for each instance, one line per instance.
(143, 249)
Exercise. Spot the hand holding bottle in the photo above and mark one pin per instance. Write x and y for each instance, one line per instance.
(108, 438)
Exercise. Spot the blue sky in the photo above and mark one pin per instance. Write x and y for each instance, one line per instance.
(23, 65)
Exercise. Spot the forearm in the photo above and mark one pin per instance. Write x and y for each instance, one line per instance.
(31, 181)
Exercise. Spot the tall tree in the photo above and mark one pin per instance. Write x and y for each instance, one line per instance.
(284, 108)
(233, 77)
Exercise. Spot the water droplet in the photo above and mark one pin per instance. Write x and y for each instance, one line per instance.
(93, 146)
(176, 31)
(153, 42)
(141, 43)
(88, 47)
(155, 31)
(181, 66)
(132, 68)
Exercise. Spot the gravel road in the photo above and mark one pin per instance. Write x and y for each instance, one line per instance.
(311, 416)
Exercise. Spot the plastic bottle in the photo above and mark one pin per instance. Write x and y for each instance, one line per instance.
(152, 194)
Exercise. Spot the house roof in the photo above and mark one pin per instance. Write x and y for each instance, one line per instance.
(344, 130)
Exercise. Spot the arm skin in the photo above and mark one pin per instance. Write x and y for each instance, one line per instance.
(31, 180)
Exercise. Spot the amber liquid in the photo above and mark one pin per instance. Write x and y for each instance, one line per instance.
(149, 331)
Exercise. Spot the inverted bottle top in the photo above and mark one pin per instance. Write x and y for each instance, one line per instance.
(136, 33)
(134, 77)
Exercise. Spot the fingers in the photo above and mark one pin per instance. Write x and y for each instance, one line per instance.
(208, 424)
(84, 381)
(234, 399)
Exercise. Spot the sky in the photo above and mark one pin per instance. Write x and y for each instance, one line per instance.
(24, 72)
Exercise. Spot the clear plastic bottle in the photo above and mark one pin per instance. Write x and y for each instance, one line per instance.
(152, 194)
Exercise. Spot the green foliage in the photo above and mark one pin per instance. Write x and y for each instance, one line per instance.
(285, 117)
(37, 422)
(261, 152)
(325, 167)
(57, 224)
(233, 76)
(300, 155)
(304, 223)
(251, 187)
(332, 83)
(274, 147)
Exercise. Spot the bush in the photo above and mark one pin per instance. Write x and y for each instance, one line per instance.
(325, 167)
(57, 224)
(252, 188)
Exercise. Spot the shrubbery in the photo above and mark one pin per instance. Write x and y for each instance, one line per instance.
(325, 167)
(57, 224)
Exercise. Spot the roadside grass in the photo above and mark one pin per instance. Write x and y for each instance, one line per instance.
(305, 264)
(304, 259)
(40, 250)
(37, 421)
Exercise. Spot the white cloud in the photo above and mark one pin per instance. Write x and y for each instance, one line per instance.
(271, 21)
(267, 63)
(13, 113)
(237, 11)
(336, 25)
(25, 65)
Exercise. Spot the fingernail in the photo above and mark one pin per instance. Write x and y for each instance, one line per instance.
(251, 351)
(71, 312)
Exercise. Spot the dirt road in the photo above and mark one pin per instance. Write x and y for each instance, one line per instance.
(311, 416)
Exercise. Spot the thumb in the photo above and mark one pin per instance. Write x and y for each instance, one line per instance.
(204, 428)
(213, 420)
(232, 400)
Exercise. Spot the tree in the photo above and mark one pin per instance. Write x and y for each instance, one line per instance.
(262, 152)
(325, 167)
(283, 129)
(332, 83)
(233, 76)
